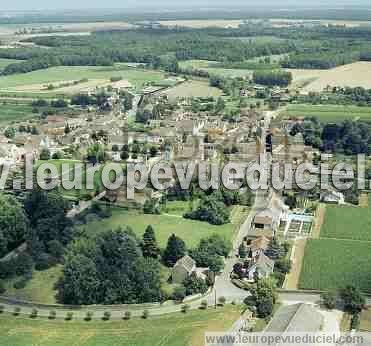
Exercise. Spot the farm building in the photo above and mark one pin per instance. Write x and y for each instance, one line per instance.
(295, 319)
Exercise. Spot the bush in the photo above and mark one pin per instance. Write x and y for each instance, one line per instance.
(45, 261)
(33, 313)
(355, 321)
(69, 316)
(106, 316)
(185, 308)
(52, 315)
(204, 305)
(179, 293)
(222, 301)
(2, 309)
(145, 314)
(21, 283)
(127, 315)
(17, 311)
(89, 316)
(329, 299)
(2, 287)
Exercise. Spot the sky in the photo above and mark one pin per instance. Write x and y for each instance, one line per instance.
(6, 5)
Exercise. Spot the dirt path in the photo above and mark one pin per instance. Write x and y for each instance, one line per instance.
(292, 279)
(318, 222)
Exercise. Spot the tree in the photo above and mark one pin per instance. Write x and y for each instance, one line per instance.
(10, 132)
(222, 301)
(149, 245)
(45, 154)
(204, 305)
(106, 316)
(124, 155)
(127, 315)
(145, 314)
(57, 156)
(111, 270)
(185, 308)
(354, 301)
(194, 285)
(220, 105)
(242, 251)
(329, 299)
(283, 265)
(175, 250)
(13, 224)
(212, 210)
(265, 297)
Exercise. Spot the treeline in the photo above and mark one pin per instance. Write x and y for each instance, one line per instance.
(160, 48)
(272, 78)
(324, 60)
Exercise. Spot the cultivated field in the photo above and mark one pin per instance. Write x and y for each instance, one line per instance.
(38, 81)
(352, 75)
(328, 113)
(347, 223)
(193, 89)
(169, 330)
(332, 263)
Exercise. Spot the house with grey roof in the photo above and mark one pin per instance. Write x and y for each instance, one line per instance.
(295, 319)
(183, 268)
(261, 266)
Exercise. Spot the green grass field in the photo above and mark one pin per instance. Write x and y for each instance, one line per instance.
(39, 289)
(190, 231)
(331, 263)
(193, 89)
(328, 113)
(62, 73)
(211, 67)
(13, 112)
(168, 330)
(347, 223)
(5, 62)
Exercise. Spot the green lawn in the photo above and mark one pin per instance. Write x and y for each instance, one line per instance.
(331, 263)
(190, 231)
(328, 113)
(62, 73)
(178, 207)
(169, 330)
(343, 222)
(39, 289)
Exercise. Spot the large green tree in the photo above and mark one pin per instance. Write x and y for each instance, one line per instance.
(175, 250)
(149, 245)
(13, 224)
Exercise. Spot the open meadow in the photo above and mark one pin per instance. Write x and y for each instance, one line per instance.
(193, 89)
(38, 81)
(168, 330)
(164, 225)
(327, 113)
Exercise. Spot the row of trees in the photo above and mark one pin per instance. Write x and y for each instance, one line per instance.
(272, 78)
